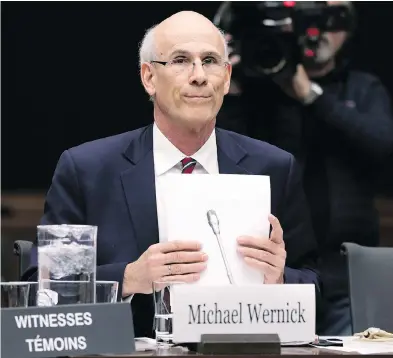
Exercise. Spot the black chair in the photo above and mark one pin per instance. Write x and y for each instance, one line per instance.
(22, 249)
(370, 271)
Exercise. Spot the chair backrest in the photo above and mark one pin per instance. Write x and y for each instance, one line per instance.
(22, 249)
(370, 271)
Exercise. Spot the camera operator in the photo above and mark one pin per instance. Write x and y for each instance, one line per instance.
(338, 123)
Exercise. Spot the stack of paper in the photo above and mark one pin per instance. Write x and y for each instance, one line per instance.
(354, 344)
(239, 204)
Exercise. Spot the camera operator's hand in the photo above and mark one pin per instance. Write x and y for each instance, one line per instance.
(297, 87)
(234, 59)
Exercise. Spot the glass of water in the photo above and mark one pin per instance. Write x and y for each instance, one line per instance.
(106, 291)
(163, 314)
(67, 263)
(18, 294)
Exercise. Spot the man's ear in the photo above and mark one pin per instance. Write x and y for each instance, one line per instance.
(148, 79)
(228, 74)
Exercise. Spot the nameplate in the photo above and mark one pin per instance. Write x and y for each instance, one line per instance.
(286, 310)
(68, 330)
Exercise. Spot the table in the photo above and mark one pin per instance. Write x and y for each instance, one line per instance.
(178, 352)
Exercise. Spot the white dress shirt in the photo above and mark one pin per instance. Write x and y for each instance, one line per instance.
(167, 160)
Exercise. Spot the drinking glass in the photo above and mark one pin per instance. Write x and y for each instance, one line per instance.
(106, 291)
(72, 292)
(163, 314)
(17, 294)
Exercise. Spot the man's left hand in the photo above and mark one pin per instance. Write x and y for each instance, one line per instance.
(268, 255)
(297, 87)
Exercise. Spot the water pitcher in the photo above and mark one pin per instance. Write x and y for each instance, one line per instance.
(66, 264)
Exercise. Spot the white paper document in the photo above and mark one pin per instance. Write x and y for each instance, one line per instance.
(145, 344)
(215, 210)
(354, 344)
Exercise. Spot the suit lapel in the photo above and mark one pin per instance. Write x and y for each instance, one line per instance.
(230, 154)
(140, 189)
(139, 180)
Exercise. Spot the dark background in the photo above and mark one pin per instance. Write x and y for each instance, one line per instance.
(70, 74)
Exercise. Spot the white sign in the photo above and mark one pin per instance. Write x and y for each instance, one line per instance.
(215, 210)
(288, 310)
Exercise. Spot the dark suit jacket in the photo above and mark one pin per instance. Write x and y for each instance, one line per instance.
(110, 183)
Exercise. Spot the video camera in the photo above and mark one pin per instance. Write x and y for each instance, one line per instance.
(273, 37)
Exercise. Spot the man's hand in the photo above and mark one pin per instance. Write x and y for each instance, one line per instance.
(268, 255)
(234, 59)
(180, 261)
(297, 87)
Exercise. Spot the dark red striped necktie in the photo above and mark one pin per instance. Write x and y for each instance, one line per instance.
(188, 165)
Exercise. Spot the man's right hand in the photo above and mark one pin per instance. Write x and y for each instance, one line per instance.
(180, 261)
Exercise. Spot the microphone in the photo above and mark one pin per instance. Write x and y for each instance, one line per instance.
(212, 218)
(214, 223)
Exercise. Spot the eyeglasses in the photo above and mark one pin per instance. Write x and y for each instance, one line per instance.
(211, 65)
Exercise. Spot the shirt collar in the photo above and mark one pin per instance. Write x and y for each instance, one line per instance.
(166, 155)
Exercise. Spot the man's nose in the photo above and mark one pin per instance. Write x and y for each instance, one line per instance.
(198, 74)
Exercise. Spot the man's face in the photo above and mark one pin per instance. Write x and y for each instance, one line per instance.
(191, 86)
(330, 43)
